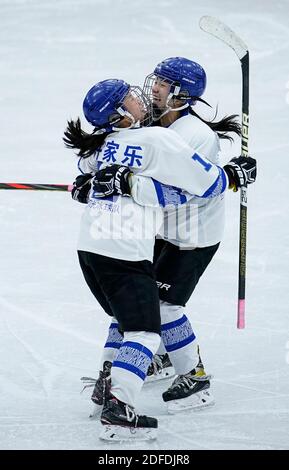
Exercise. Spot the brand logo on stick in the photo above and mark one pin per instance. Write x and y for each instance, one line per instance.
(245, 134)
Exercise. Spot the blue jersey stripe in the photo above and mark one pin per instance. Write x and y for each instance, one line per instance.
(159, 191)
(169, 195)
(130, 368)
(78, 165)
(174, 324)
(113, 345)
(180, 344)
(218, 187)
(139, 347)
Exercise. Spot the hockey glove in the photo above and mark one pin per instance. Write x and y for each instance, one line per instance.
(241, 171)
(111, 181)
(81, 188)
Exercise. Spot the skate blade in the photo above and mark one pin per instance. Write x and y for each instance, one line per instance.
(123, 433)
(96, 412)
(165, 374)
(196, 402)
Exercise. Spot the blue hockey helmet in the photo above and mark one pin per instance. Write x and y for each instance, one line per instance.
(188, 78)
(187, 81)
(103, 104)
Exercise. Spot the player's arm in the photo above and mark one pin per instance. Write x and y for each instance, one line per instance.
(171, 164)
(169, 161)
(150, 192)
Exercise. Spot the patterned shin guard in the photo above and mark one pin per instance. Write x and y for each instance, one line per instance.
(112, 344)
(178, 338)
(130, 366)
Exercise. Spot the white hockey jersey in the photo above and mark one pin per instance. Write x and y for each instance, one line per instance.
(119, 227)
(200, 222)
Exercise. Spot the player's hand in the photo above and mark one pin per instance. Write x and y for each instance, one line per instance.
(111, 181)
(241, 171)
(81, 187)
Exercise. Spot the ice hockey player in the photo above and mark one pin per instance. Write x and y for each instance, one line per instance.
(193, 230)
(117, 234)
(192, 234)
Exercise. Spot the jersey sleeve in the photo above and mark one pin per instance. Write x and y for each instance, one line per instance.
(88, 165)
(150, 192)
(176, 169)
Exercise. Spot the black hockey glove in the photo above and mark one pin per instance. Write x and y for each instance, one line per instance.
(81, 187)
(111, 181)
(241, 171)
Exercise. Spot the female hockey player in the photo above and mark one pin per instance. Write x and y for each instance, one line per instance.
(192, 231)
(117, 235)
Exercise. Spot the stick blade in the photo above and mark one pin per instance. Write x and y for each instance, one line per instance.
(217, 28)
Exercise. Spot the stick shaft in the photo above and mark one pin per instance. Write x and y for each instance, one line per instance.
(37, 187)
(221, 31)
(243, 196)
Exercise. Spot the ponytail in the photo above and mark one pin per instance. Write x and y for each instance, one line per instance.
(77, 138)
(222, 127)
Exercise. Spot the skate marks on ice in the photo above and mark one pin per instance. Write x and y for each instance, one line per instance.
(9, 306)
(40, 362)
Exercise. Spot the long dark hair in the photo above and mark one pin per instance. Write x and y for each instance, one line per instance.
(76, 138)
(87, 144)
(226, 124)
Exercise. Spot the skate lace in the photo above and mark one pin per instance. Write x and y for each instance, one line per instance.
(156, 365)
(183, 381)
(131, 415)
(88, 382)
(103, 374)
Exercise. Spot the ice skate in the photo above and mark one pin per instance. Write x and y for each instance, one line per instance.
(121, 423)
(100, 386)
(160, 368)
(189, 391)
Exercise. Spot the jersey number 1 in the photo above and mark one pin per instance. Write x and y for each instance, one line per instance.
(204, 163)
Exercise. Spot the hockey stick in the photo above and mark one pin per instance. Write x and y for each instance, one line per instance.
(39, 187)
(218, 29)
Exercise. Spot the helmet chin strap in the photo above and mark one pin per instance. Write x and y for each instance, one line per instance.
(169, 108)
(124, 113)
(175, 91)
(180, 108)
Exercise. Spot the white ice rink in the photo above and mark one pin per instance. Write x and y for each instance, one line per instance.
(52, 330)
